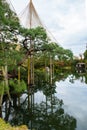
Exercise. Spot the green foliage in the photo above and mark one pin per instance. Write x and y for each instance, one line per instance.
(1, 88)
(3, 125)
(85, 55)
(9, 55)
(17, 86)
(9, 29)
(7, 126)
(34, 33)
(6, 89)
(8, 17)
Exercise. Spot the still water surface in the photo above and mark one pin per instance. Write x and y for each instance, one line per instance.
(73, 92)
(74, 95)
(62, 107)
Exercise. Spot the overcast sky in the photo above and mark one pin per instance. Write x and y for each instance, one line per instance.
(65, 19)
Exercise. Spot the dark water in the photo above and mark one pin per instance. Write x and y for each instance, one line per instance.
(61, 106)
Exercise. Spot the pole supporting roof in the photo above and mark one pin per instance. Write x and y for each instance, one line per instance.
(30, 1)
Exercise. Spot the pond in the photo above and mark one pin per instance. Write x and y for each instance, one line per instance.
(61, 106)
(74, 95)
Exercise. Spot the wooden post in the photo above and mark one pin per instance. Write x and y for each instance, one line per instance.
(19, 75)
(51, 102)
(19, 78)
(5, 74)
(30, 13)
(28, 71)
(51, 70)
(30, 1)
(33, 69)
(1, 96)
(28, 65)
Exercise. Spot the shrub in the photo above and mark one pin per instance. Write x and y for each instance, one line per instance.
(7, 126)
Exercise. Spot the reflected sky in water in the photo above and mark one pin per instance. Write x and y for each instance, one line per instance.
(48, 104)
(39, 97)
(73, 92)
(74, 96)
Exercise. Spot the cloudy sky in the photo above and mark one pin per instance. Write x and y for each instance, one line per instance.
(65, 19)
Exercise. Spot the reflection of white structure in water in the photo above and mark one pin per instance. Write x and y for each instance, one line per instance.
(81, 67)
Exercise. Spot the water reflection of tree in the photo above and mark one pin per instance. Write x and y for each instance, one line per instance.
(55, 119)
(78, 76)
(72, 75)
(47, 115)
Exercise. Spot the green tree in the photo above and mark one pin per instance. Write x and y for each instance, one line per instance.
(85, 55)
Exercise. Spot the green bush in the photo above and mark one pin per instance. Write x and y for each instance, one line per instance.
(7, 126)
(17, 86)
